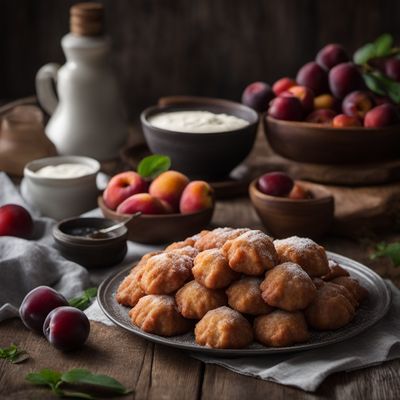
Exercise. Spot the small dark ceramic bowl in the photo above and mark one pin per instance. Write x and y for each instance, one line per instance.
(283, 217)
(210, 156)
(159, 229)
(313, 143)
(70, 236)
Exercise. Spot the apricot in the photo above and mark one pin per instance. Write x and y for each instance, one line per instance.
(325, 101)
(197, 196)
(283, 84)
(288, 108)
(122, 186)
(380, 116)
(257, 95)
(331, 55)
(344, 121)
(169, 187)
(314, 77)
(143, 202)
(304, 94)
(345, 78)
(299, 193)
(323, 117)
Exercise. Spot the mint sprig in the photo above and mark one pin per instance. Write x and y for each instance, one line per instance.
(390, 250)
(13, 354)
(75, 379)
(82, 302)
(152, 166)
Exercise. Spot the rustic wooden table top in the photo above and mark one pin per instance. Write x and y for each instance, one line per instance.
(158, 372)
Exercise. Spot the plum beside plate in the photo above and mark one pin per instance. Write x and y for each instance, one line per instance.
(370, 312)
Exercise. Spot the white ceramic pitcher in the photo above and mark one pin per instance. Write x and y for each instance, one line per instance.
(88, 118)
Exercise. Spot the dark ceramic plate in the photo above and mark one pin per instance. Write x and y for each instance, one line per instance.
(370, 312)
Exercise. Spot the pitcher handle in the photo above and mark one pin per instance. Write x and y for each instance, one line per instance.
(45, 79)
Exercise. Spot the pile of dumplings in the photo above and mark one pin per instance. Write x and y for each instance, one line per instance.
(234, 286)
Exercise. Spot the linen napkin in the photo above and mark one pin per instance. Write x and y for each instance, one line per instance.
(25, 264)
(306, 370)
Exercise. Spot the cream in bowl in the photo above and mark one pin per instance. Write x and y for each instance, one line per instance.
(197, 121)
(205, 138)
(61, 187)
(65, 171)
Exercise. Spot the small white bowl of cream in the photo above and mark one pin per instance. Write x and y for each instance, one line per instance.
(61, 187)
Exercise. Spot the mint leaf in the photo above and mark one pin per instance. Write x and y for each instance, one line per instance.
(383, 45)
(391, 250)
(364, 54)
(83, 376)
(152, 166)
(13, 354)
(76, 377)
(82, 302)
(46, 377)
(77, 395)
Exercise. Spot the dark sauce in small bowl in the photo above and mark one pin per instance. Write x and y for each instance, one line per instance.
(89, 232)
(77, 239)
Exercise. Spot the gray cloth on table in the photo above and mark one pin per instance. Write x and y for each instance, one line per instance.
(306, 370)
(25, 264)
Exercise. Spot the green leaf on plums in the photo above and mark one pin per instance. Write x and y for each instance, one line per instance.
(152, 166)
(383, 45)
(83, 302)
(364, 54)
(391, 250)
(13, 354)
(382, 85)
(393, 89)
(373, 84)
(77, 379)
(80, 376)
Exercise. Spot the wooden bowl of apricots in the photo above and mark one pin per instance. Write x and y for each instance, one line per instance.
(337, 110)
(171, 206)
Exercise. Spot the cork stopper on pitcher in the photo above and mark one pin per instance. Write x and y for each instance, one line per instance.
(86, 19)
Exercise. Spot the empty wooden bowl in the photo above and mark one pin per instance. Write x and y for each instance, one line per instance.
(312, 143)
(161, 228)
(283, 217)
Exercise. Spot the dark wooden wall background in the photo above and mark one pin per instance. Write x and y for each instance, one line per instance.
(202, 47)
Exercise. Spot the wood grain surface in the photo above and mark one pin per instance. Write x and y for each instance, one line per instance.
(156, 372)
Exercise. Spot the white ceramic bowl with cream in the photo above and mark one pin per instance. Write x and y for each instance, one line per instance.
(61, 187)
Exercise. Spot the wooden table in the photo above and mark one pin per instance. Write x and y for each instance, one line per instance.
(157, 372)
